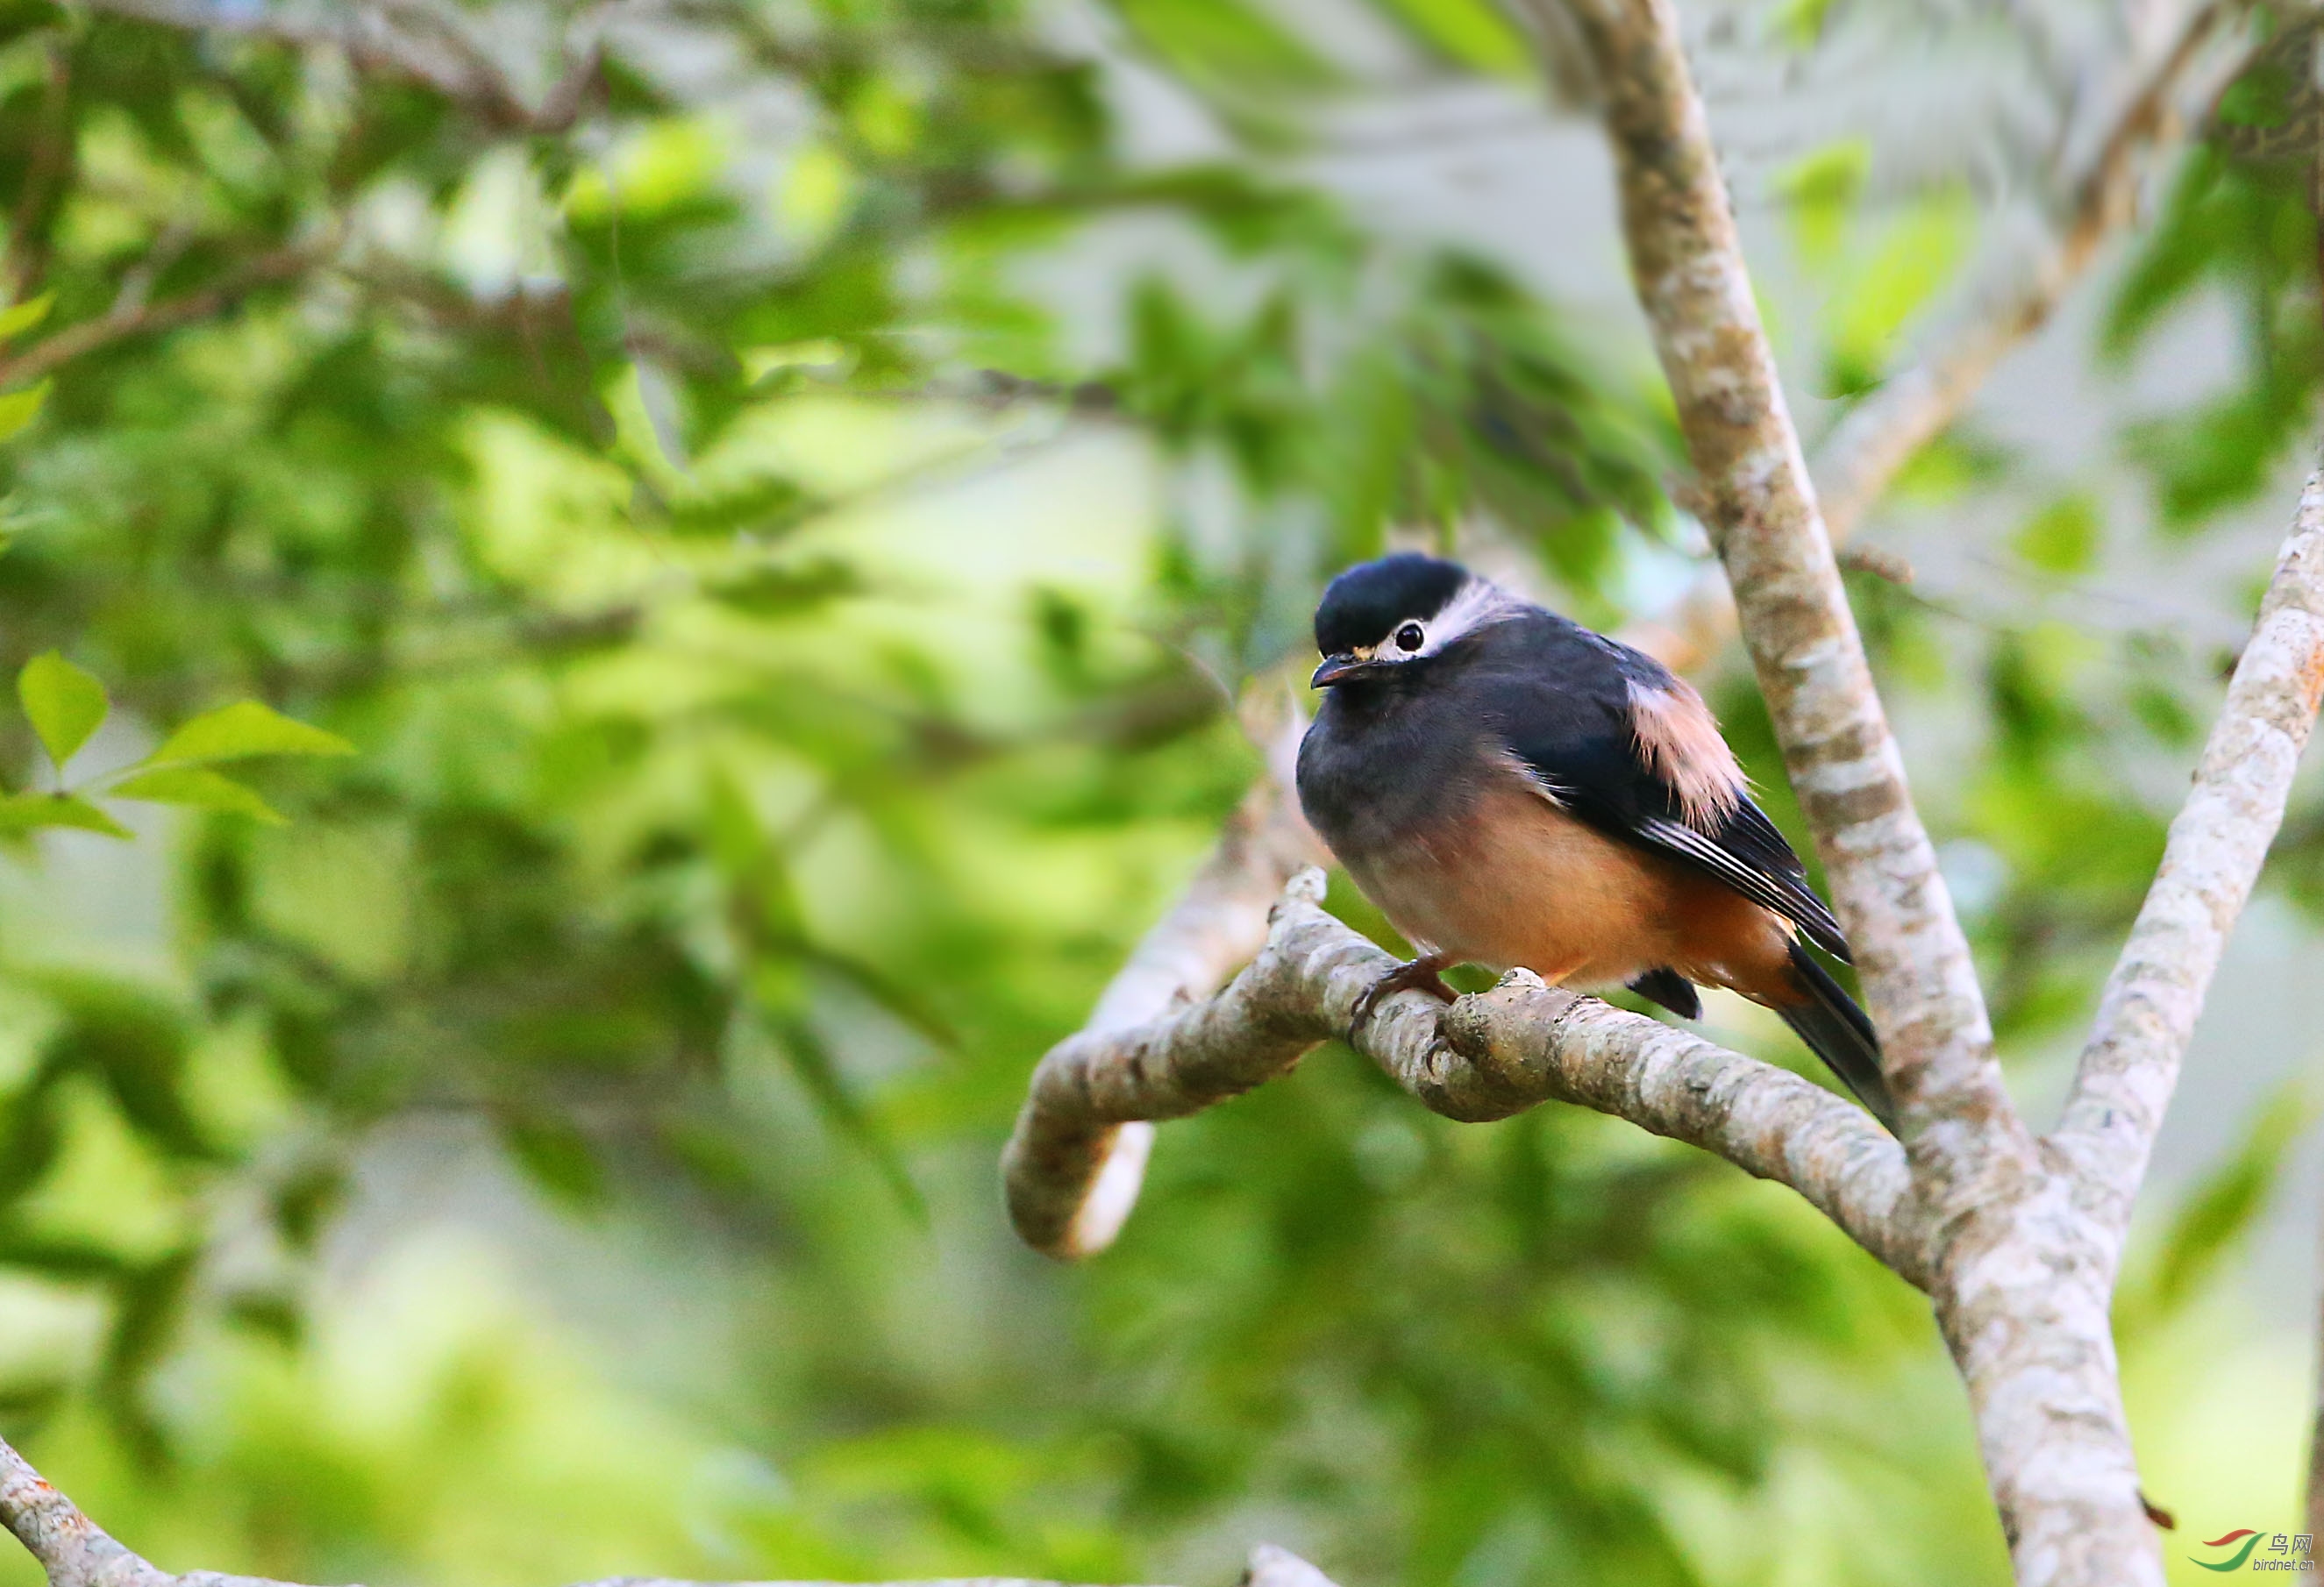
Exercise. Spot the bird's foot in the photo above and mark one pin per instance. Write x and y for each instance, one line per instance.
(1422, 974)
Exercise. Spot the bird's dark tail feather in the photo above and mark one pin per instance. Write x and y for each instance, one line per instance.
(1836, 1030)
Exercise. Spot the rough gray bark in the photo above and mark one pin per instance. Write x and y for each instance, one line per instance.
(1489, 1057)
(2019, 1260)
(1074, 1175)
(2209, 862)
(1760, 509)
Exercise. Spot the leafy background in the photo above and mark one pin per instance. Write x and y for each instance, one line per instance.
(782, 536)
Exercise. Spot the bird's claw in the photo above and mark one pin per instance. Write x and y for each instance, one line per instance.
(1422, 974)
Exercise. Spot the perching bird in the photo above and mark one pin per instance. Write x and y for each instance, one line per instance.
(1513, 789)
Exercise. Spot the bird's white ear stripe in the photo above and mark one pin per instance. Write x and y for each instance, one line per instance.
(1682, 746)
(1478, 603)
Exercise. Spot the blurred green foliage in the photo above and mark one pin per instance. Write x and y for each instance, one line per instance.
(783, 547)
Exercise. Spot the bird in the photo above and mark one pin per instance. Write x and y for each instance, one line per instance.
(1512, 789)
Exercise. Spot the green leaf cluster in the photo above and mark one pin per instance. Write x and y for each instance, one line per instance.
(65, 705)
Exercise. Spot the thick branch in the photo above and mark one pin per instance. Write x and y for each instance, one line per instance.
(2019, 1279)
(1488, 1056)
(75, 1551)
(1761, 515)
(2216, 845)
(1073, 1174)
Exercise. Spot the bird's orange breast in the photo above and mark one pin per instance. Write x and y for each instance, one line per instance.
(1514, 879)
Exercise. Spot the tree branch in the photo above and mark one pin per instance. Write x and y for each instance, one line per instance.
(2017, 1241)
(1761, 511)
(440, 55)
(2020, 1279)
(1864, 452)
(1073, 1176)
(1881, 434)
(1488, 1056)
(2218, 843)
(75, 1552)
(132, 319)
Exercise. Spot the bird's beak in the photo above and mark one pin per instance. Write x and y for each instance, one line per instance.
(1338, 668)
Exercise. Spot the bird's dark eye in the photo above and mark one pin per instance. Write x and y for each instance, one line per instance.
(1409, 637)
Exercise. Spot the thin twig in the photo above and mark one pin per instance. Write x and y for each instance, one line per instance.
(382, 40)
(1864, 452)
(132, 317)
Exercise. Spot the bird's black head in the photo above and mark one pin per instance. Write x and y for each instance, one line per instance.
(1378, 616)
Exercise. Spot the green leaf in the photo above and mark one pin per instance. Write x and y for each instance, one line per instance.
(1800, 22)
(27, 811)
(1223, 43)
(818, 1071)
(2063, 537)
(66, 705)
(64, 1256)
(2230, 1202)
(1821, 188)
(244, 729)
(304, 1203)
(882, 988)
(2220, 1213)
(139, 1043)
(19, 409)
(1949, 467)
(147, 1304)
(559, 1158)
(1913, 256)
(1465, 33)
(19, 318)
(198, 787)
